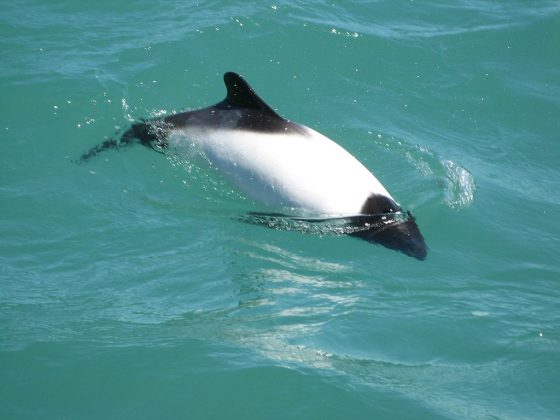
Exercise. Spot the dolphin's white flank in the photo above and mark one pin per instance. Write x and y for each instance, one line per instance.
(303, 170)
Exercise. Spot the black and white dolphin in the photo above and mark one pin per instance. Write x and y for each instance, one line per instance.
(283, 164)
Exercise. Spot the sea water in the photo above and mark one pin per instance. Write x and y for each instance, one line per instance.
(131, 287)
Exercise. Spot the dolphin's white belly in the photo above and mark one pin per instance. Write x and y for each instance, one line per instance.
(309, 172)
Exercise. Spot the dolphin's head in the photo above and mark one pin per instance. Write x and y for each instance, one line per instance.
(396, 231)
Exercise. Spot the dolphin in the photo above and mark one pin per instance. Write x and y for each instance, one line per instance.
(283, 164)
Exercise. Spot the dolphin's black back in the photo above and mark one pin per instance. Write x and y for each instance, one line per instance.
(242, 109)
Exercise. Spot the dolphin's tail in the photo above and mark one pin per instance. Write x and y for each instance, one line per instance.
(148, 134)
(108, 144)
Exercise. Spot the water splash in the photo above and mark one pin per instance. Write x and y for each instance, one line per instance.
(459, 191)
(457, 183)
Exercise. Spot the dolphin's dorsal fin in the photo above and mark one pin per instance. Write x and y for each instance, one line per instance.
(241, 95)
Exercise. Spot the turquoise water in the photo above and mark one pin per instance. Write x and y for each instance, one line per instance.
(131, 289)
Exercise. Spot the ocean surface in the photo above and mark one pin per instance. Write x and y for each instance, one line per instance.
(131, 287)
